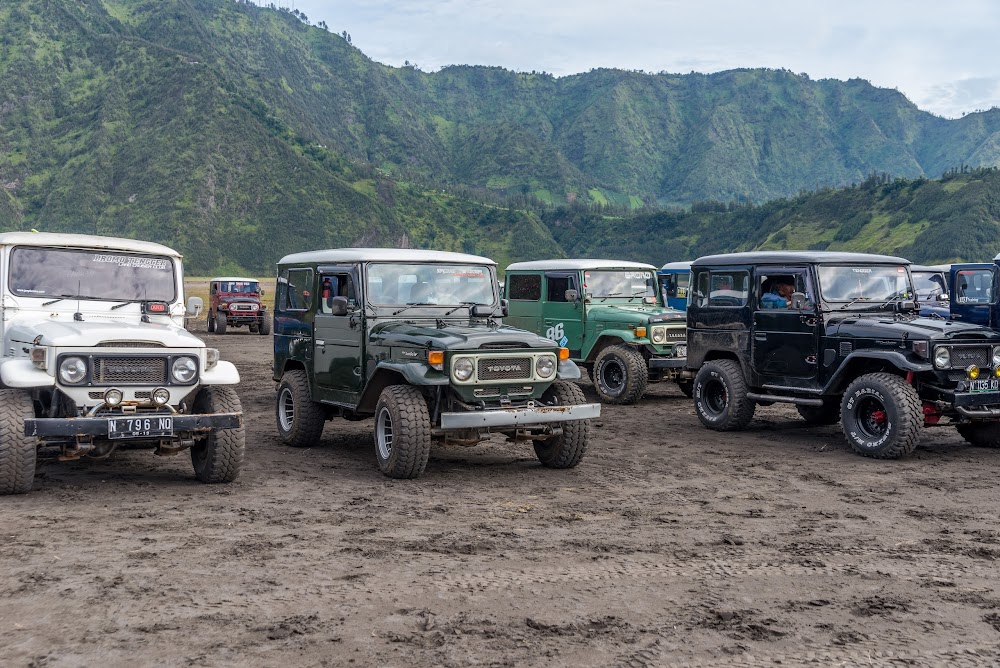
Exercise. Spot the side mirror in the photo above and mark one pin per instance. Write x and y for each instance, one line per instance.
(481, 311)
(572, 295)
(195, 306)
(908, 305)
(504, 308)
(798, 301)
(942, 297)
(262, 292)
(338, 306)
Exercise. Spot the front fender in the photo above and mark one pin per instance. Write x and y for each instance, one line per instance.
(223, 373)
(415, 373)
(897, 359)
(21, 373)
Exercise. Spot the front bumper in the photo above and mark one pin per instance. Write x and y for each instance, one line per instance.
(519, 417)
(667, 362)
(97, 427)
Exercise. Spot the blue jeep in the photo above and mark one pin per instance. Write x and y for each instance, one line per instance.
(674, 278)
(974, 293)
(930, 282)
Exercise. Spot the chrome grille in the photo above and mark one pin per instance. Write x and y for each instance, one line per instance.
(504, 368)
(247, 308)
(676, 333)
(130, 370)
(963, 356)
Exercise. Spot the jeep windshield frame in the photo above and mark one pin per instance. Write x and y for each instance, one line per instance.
(440, 285)
(92, 275)
(863, 284)
(251, 288)
(620, 284)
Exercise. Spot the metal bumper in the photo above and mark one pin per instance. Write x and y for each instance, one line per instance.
(667, 362)
(519, 417)
(97, 427)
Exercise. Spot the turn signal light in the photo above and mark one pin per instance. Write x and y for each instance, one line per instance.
(564, 353)
(640, 332)
(972, 371)
(436, 359)
(996, 372)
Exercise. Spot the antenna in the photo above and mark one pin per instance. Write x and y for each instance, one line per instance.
(78, 315)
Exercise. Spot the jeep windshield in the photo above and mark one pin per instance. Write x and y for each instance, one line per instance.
(430, 284)
(631, 284)
(239, 287)
(870, 283)
(58, 273)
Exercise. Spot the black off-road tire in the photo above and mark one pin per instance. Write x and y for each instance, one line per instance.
(219, 456)
(828, 413)
(264, 328)
(221, 324)
(686, 386)
(620, 375)
(720, 396)
(567, 449)
(252, 328)
(17, 451)
(300, 419)
(882, 416)
(402, 432)
(981, 434)
(211, 322)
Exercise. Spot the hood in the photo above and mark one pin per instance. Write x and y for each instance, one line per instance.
(231, 298)
(455, 336)
(634, 313)
(885, 327)
(88, 334)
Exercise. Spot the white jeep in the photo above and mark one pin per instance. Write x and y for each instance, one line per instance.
(95, 355)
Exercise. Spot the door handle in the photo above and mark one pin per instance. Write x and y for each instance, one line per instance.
(808, 319)
(759, 336)
(320, 342)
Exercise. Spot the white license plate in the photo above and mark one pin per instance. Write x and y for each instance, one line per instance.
(991, 385)
(140, 427)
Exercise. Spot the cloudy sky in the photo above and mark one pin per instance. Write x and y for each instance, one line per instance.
(940, 55)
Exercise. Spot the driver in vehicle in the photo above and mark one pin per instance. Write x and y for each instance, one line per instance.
(780, 294)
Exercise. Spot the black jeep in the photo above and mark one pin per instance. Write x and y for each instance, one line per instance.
(838, 335)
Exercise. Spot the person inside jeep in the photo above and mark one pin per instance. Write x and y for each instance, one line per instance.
(780, 293)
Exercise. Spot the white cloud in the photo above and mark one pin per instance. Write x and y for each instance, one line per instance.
(938, 54)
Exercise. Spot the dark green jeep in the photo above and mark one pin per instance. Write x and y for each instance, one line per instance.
(412, 338)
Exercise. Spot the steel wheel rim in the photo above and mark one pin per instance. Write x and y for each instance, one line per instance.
(383, 434)
(715, 397)
(872, 418)
(613, 376)
(286, 409)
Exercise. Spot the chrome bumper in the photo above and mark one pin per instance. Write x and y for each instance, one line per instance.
(519, 417)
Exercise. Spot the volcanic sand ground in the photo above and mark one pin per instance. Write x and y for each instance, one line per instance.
(670, 544)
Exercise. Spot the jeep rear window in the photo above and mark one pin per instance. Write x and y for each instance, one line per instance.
(91, 274)
(444, 284)
(870, 283)
(525, 287)
(619, 283)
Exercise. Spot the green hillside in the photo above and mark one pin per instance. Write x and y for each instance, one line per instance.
(238, 133)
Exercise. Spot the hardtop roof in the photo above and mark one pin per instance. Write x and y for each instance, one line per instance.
(339, 255)
(59, 240)
(234, 279)
(797, 257)
(685, 264)
(576, 265)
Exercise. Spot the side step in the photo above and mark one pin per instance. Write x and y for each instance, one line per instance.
(801, 401)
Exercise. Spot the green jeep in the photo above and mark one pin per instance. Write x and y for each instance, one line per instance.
(413, 338)
(610, 315)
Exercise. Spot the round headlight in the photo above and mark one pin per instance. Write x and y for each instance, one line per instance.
(184, 369)
(113, 397)
(463, 368)
(72, 370)
(658, 335)
(545, 366)
(160, 396)
(942, 357)
(681, 350)
(996, 356)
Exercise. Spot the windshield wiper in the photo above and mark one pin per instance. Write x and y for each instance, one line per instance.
(468, 305)
(412, 304)
(131, 301)
(641, 293)
(855, 301)
(612, 294)
(57, 299)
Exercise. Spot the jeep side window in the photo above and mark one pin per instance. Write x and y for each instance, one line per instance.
(556, 287)
(297, 293)
(974, 286)
(729, 288)
(776, 289)
(336, 285)
(700, 296)
(525, 287)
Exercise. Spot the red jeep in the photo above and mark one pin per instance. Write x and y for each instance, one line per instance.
(235, 302)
